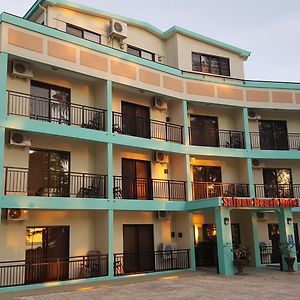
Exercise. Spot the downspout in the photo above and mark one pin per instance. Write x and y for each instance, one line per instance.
(45, 14)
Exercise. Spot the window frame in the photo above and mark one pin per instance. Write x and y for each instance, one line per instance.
(83, 30)
(210, 57)
(140, 51)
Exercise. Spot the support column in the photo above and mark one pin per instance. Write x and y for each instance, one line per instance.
(185, 122)
(246, 128)
(111, 243)
(255, 235)
(109, 105)
(224, 241)
(110, 183)
(189, 194)
(192, 245)
(250, 178)
(3, 84)
(287, 234)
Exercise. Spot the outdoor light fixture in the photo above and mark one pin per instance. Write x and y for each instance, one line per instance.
(226, 221)
(289, 221)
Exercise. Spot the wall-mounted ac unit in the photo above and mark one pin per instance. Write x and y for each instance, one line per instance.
(16, 214)
(253, 115)
(19, 139)
(162, 215)
(160, 103)
(117, 30)
(161, 157)
(21, 69)
(256, 163)
(167, 249)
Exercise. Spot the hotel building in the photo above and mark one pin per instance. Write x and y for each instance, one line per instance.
(127, 150)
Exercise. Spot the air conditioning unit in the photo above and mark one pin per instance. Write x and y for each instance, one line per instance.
(256, 163)
(160, 103)
(19, 139)
(21, 69)
(16, 214)
(253, 115)
(161, 157)
(117, 30)
(162, 215)
(167, 249)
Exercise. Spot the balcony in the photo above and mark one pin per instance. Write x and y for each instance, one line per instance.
(147, 128)
(217, 138)
(148, 189)
(277, 191)
(21, 272)
(156, 261)
(275, 141)
(54, 111)
(47, 183)
(205, 190)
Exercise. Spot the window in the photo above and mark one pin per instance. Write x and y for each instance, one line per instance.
(83, 33)
(141, 53)
(210, 64)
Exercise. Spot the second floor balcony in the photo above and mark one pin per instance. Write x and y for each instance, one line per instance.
(147, 128)
(55, 111)
(277, 190)
(205, 190)
(48, 183)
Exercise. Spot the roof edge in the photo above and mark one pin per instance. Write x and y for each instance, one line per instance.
(163, 34)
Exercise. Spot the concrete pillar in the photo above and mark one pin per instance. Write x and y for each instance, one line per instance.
(246, 128)
(110, 243)
(185, 123)
(287, 233)
(255, 236)
(250, 178)
(110, 183)
(109, 105)
(192, 245)
(224, 241)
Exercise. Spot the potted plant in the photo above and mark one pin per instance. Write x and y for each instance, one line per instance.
(286, 249)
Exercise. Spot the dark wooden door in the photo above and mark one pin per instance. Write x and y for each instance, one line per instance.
(47, 252)
(136, 176)
(204, 131)
(278, 183)
(273, 135)
(136, 120)
(138, 248)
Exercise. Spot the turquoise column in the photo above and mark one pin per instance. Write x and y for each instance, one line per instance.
(2, 145)
(109, 105)
(192, 245)
(255, 236)
(287, 233)
(224, 241)
(110, 183)
(246, 128)
(111, 243)
(185, 122)
(250, 178)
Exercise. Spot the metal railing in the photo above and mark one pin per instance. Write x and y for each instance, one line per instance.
(275, 141)
(49, 183)
(204, 190)
(22, 272)
(147, 128)
(55, 111)
(148, 262)
(148, 189)
(277, 191)
(216, 138)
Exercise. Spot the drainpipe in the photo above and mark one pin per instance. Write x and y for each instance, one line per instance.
(45, 14)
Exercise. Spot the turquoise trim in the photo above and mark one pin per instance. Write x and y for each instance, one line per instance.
(192, 244)
(3, 84)
(188, 178)
(109, 101)
(185, 122)
(145, 25)
(250, 178)
(246, 128)
(196, 205)
(110, 222)
(110, 174)
(255, 239)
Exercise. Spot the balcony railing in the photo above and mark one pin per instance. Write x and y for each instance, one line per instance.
(47, 183)
(147, 128)
(217, 138)
(54, 111)
(21, 272)
(148, 189)
(204, 190)
(277, 191)
(156, 261)
(275, 141)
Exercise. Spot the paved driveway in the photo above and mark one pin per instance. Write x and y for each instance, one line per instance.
(257, 284)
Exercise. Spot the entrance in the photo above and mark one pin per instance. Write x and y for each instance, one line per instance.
(136, 176)
(138, 247)
(44, 246)
(48, 173)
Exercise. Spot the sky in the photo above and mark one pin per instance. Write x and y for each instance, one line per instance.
(270, 29)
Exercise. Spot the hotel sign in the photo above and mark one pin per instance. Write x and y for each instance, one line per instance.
(258, 202)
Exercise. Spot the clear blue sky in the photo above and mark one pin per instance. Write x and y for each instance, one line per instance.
(269, 29)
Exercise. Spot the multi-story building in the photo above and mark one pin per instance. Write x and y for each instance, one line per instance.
(125, 149)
